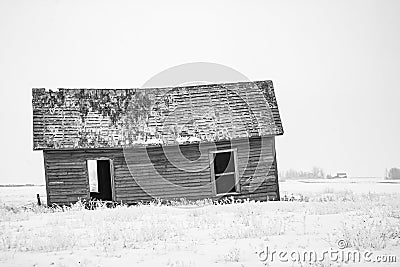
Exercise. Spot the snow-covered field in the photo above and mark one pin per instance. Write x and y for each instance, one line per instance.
(362, 214)
(357, 185)
(22, 195)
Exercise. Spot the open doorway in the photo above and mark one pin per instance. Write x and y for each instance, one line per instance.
(100, 179)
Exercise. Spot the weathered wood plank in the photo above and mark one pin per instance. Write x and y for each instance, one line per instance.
(254, 164)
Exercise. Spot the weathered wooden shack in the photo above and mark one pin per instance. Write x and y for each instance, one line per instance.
(131, 145)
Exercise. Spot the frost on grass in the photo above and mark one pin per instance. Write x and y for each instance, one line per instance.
(373, 230)
(364, 221)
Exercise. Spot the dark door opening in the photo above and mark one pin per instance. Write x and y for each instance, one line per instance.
(100, 179)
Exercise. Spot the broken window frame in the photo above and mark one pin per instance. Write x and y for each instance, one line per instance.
(235, 172)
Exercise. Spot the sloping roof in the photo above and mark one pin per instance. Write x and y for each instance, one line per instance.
(113, 118)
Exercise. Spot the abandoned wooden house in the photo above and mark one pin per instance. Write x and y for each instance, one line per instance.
(132, 145)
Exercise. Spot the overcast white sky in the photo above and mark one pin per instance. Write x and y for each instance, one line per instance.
(335, 66)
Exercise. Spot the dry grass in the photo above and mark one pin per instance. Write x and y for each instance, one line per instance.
(233, 255)
(364, 221)
(374, 229)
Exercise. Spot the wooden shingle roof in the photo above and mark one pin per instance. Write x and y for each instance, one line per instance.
(114, 118)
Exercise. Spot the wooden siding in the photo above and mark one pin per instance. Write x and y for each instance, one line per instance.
(67, 177)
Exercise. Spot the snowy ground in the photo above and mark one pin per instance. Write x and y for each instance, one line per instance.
(363, 215)
(357, 185)
(22, 195)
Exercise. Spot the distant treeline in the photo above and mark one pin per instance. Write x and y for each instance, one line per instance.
(315, 173)
(393, 173)
(19, 185)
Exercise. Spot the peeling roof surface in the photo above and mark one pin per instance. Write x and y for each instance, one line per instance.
(117, 118)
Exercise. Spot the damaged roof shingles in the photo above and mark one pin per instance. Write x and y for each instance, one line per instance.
(113, 118)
